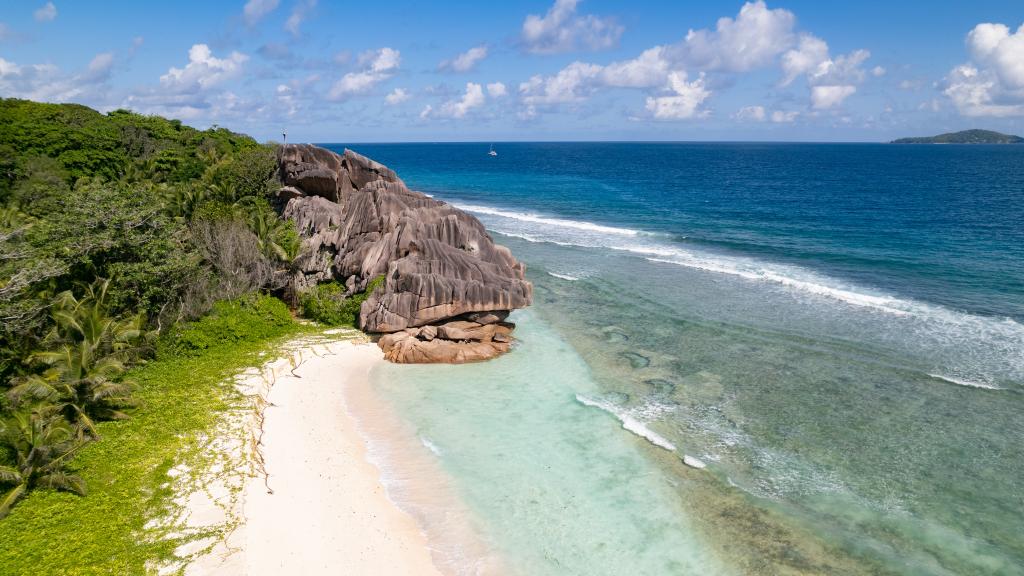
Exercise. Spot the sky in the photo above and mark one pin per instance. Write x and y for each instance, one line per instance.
(334, 71)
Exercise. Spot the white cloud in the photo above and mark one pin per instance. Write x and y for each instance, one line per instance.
(781, 116)
(473, 98)
(648, 70)
(752, 40)
(46, 82)
(299, 13)
(397, 96)
(686, 101)
(100, 66)
(832, 80)
(497, 89)
(758, 37)
(878, 71)
(46, 13)
(255, 10)
(562, 30)
(992, 84)
(466, 61)
(761, 114)
(830, 96)
(751, 113)
(809, 53)
(571, 84)
(203, 71)
(427, 111)
(378, 66)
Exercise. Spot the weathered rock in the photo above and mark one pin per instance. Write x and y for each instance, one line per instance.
(359, 221)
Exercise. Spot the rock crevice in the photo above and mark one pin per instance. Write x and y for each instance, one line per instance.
(447, 286)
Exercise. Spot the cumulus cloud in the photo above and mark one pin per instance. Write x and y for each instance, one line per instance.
(300, 12)
(878, 71)
(255, 10)
(992, 84)
(832, 80)
(46, 13)
(782, 116)
(752, 40)
(497, 89)
(751, 114)
(685, 101)
(203, 71)
(47, 83)
(397, 96)
(757, 37)
(378, 66)
(761, 114)
(561, 29)
(466, 61)
(830, 96)
(472, 98)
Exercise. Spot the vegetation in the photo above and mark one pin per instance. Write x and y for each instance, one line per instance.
(964, 137)
(326, 303)
(118, 232)
(180, 396)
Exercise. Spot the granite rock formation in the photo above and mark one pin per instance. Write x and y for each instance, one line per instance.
(447, 286)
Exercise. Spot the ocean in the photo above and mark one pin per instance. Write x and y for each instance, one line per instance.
(834, 331)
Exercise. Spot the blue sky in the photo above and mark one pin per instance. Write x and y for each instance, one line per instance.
(544, 70)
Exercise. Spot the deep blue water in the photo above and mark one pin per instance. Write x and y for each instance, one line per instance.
(837, 331)
(944, 224)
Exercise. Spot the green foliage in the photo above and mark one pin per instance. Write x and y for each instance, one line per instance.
(87, 143)
(87, 351)
(250, 173)
(40, 444)
(249, 319)
(180, 398)
(327, 304)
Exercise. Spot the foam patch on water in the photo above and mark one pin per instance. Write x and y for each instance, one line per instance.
(538, 219)
(564, 276)
(978, 349)
(628, 421)
(429, 445)
(967, 383)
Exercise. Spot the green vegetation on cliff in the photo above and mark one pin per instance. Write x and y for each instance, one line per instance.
(180, 395)
(119, 234)
(964, 137)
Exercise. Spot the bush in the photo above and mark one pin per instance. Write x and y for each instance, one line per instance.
(248, 319)
(328, 305)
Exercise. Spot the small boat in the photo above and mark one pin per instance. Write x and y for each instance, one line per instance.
(492, 152)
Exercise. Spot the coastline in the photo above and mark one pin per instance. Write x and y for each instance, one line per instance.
(321, 505)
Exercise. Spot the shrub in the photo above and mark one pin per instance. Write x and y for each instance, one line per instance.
(328, 305)
(247, 319)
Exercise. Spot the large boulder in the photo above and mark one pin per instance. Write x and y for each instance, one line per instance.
(359, 221)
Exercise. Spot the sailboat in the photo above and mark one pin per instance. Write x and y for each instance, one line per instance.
(492, 152)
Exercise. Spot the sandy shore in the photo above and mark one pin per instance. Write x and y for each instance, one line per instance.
(326, 511)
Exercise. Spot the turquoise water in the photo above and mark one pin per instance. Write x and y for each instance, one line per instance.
(834, 330)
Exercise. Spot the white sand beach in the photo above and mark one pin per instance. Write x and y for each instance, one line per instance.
(326, 511)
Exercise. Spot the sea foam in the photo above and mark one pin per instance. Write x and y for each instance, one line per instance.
(628, 422)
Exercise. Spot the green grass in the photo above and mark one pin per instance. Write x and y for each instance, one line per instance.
(180, 395)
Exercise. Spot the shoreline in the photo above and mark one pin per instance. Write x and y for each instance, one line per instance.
(322, 505)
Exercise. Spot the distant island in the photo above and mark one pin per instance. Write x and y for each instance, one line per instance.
(964, 137)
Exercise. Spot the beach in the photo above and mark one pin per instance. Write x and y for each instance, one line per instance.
(321, 506)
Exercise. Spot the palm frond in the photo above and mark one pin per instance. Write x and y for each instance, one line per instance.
(8, 499)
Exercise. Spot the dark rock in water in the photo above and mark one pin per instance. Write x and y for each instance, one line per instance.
(661, 386)
(359, 221)
(636, 360)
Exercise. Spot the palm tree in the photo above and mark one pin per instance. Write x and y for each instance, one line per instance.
(40, 444)
(277, 238)
(87, 358)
